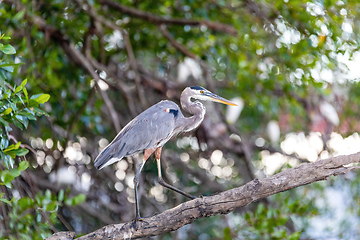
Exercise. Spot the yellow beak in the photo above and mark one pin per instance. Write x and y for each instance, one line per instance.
(215, 98)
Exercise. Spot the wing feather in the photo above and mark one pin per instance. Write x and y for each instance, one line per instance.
(150, 129)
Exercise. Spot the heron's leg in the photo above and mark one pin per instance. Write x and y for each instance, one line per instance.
(147, 154)
(161, 180)
(136, 183)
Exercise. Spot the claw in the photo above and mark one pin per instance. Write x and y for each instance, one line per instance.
(135, 221)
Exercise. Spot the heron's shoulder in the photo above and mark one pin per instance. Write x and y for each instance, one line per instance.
(167, 104)
(160, 108)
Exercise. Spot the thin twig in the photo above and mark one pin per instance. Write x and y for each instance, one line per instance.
(134, 67)
(152, 18)
(176, 44)
(204, 67)
(22, 145)
(132, 60)
(79, 112)
(119, 85)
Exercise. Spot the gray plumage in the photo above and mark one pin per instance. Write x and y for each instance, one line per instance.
(151, 129)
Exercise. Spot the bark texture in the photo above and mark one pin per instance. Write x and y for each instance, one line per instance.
(226, 201)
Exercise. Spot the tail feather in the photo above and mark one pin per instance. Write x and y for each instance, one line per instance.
(108, 156)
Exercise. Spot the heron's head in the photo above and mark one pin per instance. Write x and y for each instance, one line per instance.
(201, 93)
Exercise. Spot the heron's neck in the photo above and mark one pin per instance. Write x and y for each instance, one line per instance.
(196, 108)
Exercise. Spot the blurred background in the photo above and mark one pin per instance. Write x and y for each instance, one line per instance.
(291, 66)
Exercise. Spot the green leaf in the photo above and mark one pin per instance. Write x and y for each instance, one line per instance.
(3, 122)
(12, 104)
(23, 165)
(18, 124)
(2, 79)
(23, 120)
(51, 207)
(15, 172)
(22, 152)
(18, 89)
(24, 82)
(4, 143)
(19, 15)
(4, 37)
(41, 98)
(17, 145)
(7, 111)
(76, 200)
(8, 161)
(61, 195)
(53, 217)
(25, 203)
(25, 93)
(28, 114)
(12, 147)
(4, 199)
(39, 112)
(32, 103)
(7, 68)
(295, 236)
(48, 194)
(7, 49)
(6, 95)
(79, 199)
(10, 65)
(227, 233)
(6, 178)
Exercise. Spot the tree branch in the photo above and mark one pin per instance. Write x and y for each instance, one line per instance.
(150, 17)
(177, 45)
(227, 201)
(131, 55)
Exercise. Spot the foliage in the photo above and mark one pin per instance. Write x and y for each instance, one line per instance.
(270, 223)
(30, 217)
(16, 108)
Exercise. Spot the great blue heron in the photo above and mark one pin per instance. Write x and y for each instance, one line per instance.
(151, 129)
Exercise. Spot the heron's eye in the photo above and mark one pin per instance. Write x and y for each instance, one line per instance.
(202, 92)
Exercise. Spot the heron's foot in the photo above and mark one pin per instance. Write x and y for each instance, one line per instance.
(138, 219)
(135, 222)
